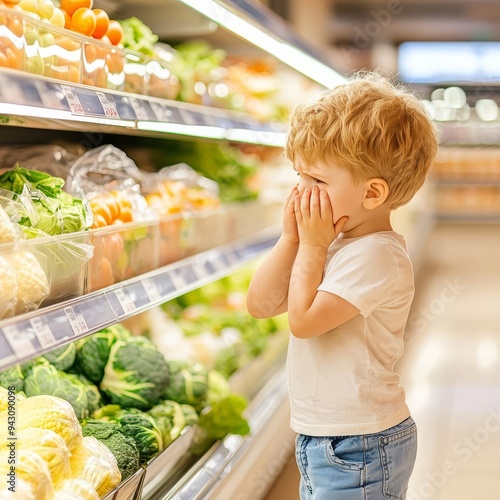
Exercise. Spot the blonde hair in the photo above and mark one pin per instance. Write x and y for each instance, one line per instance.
(371, 128)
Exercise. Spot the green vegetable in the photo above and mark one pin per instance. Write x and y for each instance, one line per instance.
(190, 414)
(57, 212)
(188, 384)
(225, 417)
(142, 428)
(93, 395)
(45, 379)
(93, 351)
(137, 36)
(123, 447)
(136, 375)
(62, 357)
(218, 387)
(12, 377)
(170, 420)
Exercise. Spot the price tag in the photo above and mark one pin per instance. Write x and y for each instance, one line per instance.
(151, 290)
(19, 341)
(161, 112)
(125, 301)
(73, 101)
(108, 106)
(178, 279)
(42, 332)
(140, 112)
(76, 320)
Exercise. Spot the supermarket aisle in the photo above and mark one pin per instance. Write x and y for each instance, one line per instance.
(451, 369)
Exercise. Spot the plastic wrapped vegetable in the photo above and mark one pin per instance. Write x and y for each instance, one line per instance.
(47, 412)
(45, 379)
(170, 419)
(218, 387)
(32, 284)
(123, 447)
(93, 351)
(24, 491)
(50, 209)
(188, 384)
(7, 231)
(8, 289)
(136, 374)
(62, 357)
(93, 462)
(76, 489)
(31, 468)
(48, 445)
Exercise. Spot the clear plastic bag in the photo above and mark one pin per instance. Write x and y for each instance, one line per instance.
(110, 181)
(179, 188)
(76, 489)
(94, 462)
(31, 468)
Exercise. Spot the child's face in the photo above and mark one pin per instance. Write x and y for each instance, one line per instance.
(346, 196)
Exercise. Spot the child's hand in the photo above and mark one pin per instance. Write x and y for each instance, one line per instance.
(315, 222)
(290, 231)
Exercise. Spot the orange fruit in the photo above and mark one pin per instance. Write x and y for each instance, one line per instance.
(71, 6)
(102, 23)
(101, 208)
(99, 221)
(125, 214)
(67, 20)
(115, 32)
(3, 60)
(83, 21)
(114, 62)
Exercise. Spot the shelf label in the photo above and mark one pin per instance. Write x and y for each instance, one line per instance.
(178, 279)
(73, 100)
(151, 290)
(139, 110)
(19, 341)
(125, 301)
(76, 320)
(42, 332)
(108, 106)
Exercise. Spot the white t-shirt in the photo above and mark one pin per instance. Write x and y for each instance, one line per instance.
(342, 382)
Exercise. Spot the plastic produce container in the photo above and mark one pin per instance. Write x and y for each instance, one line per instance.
(136, 72)
(48, 270)
(11, 39)
(122, 252)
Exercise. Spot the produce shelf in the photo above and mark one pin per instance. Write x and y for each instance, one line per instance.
(34, 101)
(265, 416)
(29, 335)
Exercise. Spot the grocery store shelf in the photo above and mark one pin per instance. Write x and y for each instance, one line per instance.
(265, 417)
(37, 102)
(261, 27)
(32, 334)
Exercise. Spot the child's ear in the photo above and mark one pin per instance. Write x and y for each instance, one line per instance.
(377, 191)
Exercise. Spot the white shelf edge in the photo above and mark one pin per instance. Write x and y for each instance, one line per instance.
(53, 104)
(20, 336)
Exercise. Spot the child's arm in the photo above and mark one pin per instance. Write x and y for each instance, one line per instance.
(268, 291)
(312, 313)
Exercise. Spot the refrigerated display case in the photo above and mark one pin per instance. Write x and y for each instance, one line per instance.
(226, 239)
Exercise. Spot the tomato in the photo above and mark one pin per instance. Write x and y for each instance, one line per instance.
(83, 21)
(115, 32)
(102, 23)
(71, 6)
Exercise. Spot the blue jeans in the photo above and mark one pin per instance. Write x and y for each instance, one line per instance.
(367, 467)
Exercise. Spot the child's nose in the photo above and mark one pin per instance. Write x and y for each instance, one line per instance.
(303, 184)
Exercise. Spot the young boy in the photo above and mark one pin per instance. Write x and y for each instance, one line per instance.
(361, 151)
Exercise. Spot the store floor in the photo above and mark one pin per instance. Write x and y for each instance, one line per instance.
(451, 369)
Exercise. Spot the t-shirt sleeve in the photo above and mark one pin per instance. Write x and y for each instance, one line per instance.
(365, 277)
